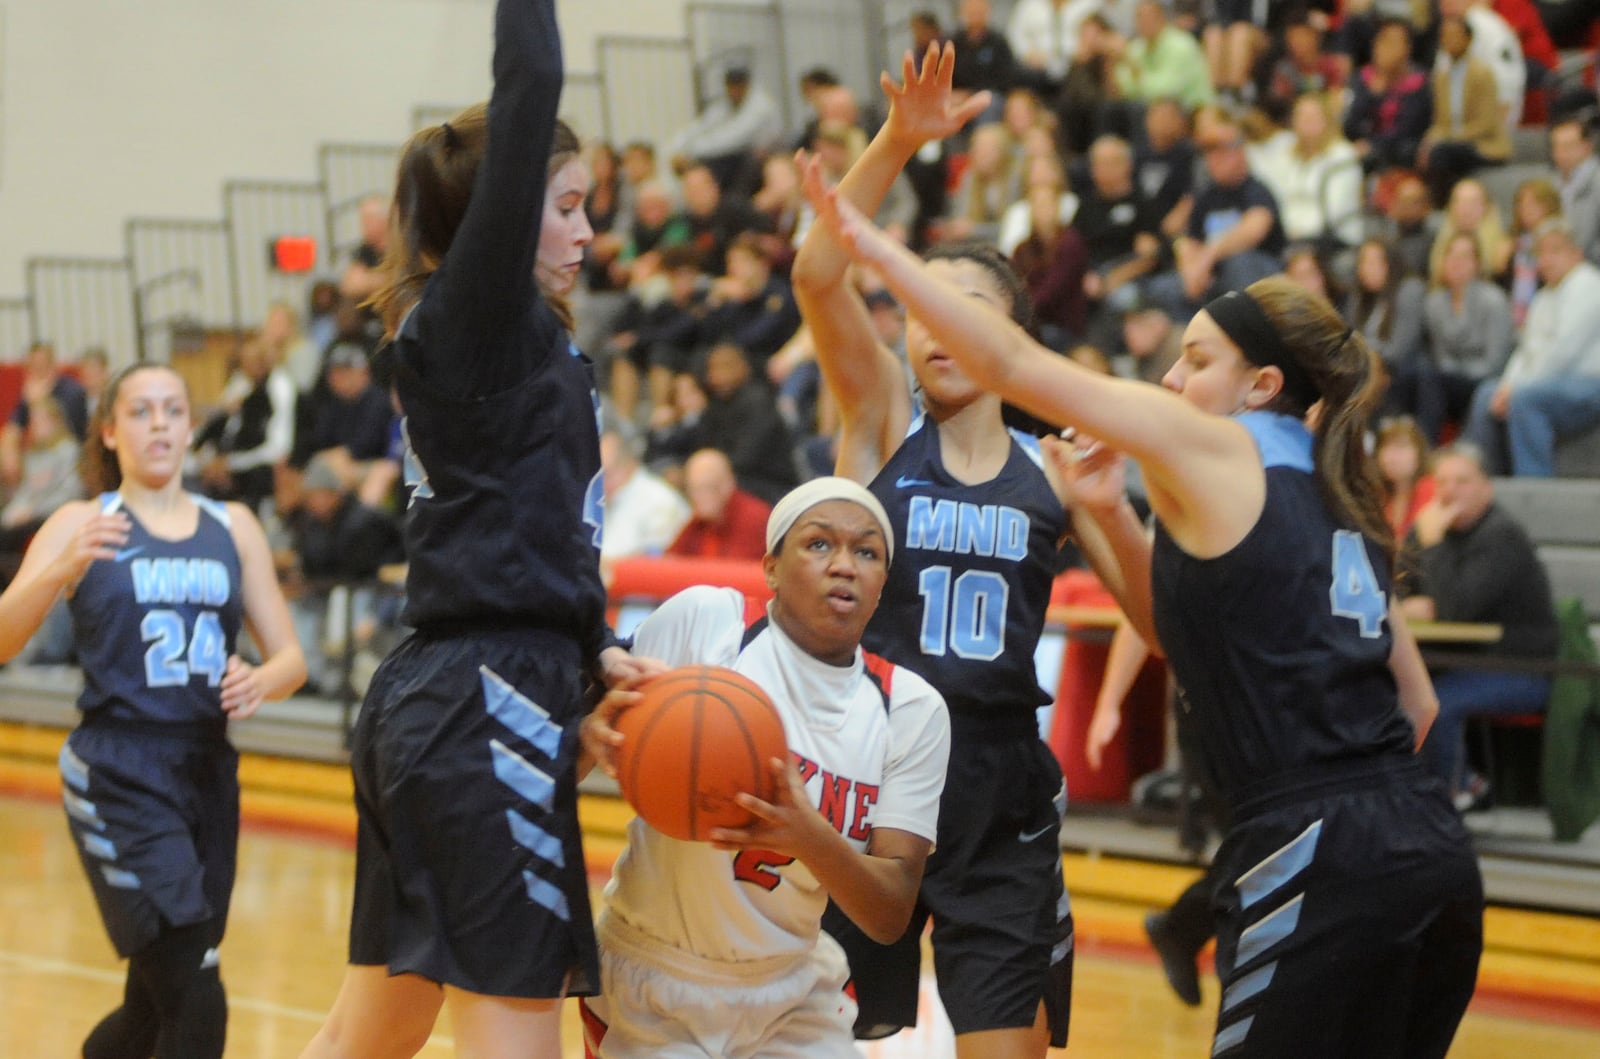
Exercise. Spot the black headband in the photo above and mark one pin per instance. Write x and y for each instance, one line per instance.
(1244, 321)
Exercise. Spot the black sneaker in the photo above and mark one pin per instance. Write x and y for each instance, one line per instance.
(1183, 974)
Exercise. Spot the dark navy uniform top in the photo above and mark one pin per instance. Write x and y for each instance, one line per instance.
(501, 416)
(973, 565)
(1281, 646)
(156, 625)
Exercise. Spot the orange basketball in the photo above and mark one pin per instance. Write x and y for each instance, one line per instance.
(699, 736)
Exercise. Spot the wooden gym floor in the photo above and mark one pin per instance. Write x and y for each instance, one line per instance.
(1539, 989)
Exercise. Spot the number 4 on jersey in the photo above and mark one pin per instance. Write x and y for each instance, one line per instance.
(1355, 592)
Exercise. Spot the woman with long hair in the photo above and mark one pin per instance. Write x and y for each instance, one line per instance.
(1385, 306)
(471, 891)
(1470, 209)
(1535, 202)
(1469, 338)
(1403, 457)
(1350, 907)
(159, 583)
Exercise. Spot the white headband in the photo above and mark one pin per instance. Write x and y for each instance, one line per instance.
(805, 497)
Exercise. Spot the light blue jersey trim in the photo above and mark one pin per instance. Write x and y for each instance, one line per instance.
(1283, 440)
(215, 508)
(1029, 445)
(110, 502)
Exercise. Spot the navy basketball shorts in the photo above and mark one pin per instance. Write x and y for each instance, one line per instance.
(1002, 925)
(469, 862)
(1349, 920)
(154, 810)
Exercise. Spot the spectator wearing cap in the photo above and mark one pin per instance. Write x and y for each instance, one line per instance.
(731, 133)
(726, 522)
(1233, 238)
(353, 419)
(334, 538)
(1550, 388)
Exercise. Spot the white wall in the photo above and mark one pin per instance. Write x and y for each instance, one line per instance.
(111, 109)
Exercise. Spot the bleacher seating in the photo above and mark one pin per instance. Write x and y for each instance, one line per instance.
(1563, 518)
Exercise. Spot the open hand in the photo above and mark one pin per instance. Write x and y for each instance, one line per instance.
(98, 538)
(923, 107)
(1093, 475)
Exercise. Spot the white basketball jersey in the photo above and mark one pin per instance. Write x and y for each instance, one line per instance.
(871, 741)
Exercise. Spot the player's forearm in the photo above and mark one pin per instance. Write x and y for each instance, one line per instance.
(1123, 547)
(279, 676)
(877, 893)
(22, 610)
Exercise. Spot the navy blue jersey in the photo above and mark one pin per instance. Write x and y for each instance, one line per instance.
(1281, 646)
(501, 417)
(156, 625)
(973, 564)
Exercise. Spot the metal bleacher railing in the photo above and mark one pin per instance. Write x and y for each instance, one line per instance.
(182, 277)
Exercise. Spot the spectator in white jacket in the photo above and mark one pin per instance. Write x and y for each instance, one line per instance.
(1550, 388)
(1314, 174)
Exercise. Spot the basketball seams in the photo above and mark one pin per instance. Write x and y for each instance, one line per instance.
(714, 744)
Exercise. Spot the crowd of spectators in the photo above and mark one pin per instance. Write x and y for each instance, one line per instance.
(1136, 160)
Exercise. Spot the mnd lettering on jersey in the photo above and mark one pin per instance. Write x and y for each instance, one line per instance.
(177, 581)
(845, 803)
(960, 528)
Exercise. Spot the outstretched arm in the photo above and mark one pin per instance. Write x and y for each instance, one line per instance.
(1193, 461)
(487, 281)
(863, 376)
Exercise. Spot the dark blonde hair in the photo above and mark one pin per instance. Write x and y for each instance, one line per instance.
(1349, 386)
(433, 187)
(97, 465)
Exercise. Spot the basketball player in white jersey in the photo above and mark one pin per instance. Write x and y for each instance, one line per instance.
(716, 948)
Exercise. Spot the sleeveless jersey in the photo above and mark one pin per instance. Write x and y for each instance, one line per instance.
(973, 565)
(155, 626)
(870, 740)
(1281, 646)
(505, 515)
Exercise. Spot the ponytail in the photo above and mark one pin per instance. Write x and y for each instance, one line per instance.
(1349, 383)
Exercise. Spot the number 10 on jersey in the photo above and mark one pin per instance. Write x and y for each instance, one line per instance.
(965, 614)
